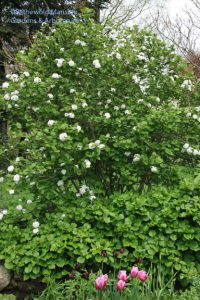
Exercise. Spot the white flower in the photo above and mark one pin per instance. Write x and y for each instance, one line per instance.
(189, 150)
(195, 152)
(11, 192)
(63, 171)
(26, 74)
(93, 197)
(127, 112)
(19, 207)
(59, 62)
(116, 107)
(56, 75)
(17, 159)
(50, 122)
(62, 49)
(70, 115)
(37, 80)
(91, 146)
(22, 84)
(136, 79)
(4, 211)
(101, 146)
(136, 157)
(5, 85)
(83, 189)
(113, 90)
(71, 63)
(87, 163)
(63, 136)
(14, 97)
(10, 169)
(78, 128)
(96, 63)
(154, 169)
(189, 114)
(118, 56)
(186, 146)
(195, 117)
(140, 101)
(97, 142)
(72, 91)
(127, 153)
(74, 107)
(16, 178)
(1, 216)
(35, 230)
(29, 201)
(107, 115)
(6, 97)
(187, 84)
(63, 216)
(78, 194)
(50, 96)
(84, 104)
(1, 179)
(60, 183)
(36, 224)
(14, 77)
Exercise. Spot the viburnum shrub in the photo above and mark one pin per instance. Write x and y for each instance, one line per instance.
(97, 116)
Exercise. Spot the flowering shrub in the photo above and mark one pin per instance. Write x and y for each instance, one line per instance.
(99, 115)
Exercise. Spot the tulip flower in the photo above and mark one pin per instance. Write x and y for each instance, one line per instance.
(120, 285)
(122, 276)
(134, 272)
(101, 282)
(142, 275)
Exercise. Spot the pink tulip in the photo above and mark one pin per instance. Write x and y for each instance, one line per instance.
(101, 282)
(120, 285)
(142, 275)
(122, 275)
(134, 272)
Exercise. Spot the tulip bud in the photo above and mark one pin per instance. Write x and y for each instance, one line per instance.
(115, 253)
(134, 272)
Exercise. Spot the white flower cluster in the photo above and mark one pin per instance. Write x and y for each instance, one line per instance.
(85, 189)
(50, 122)
(87, 163)
(193, 116)
(97, 64)
(16, 178)
(56, 76)
(12, 96)
(3, 212)
(136, 157)
(96, 144)
(154, 169)
(36, 226)
(59, 62)
(190, 150)
(187, 84)
(71, 63)
(70, 115)
(5, 85)
(78, 42)
(37, 80)
(63, 136)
